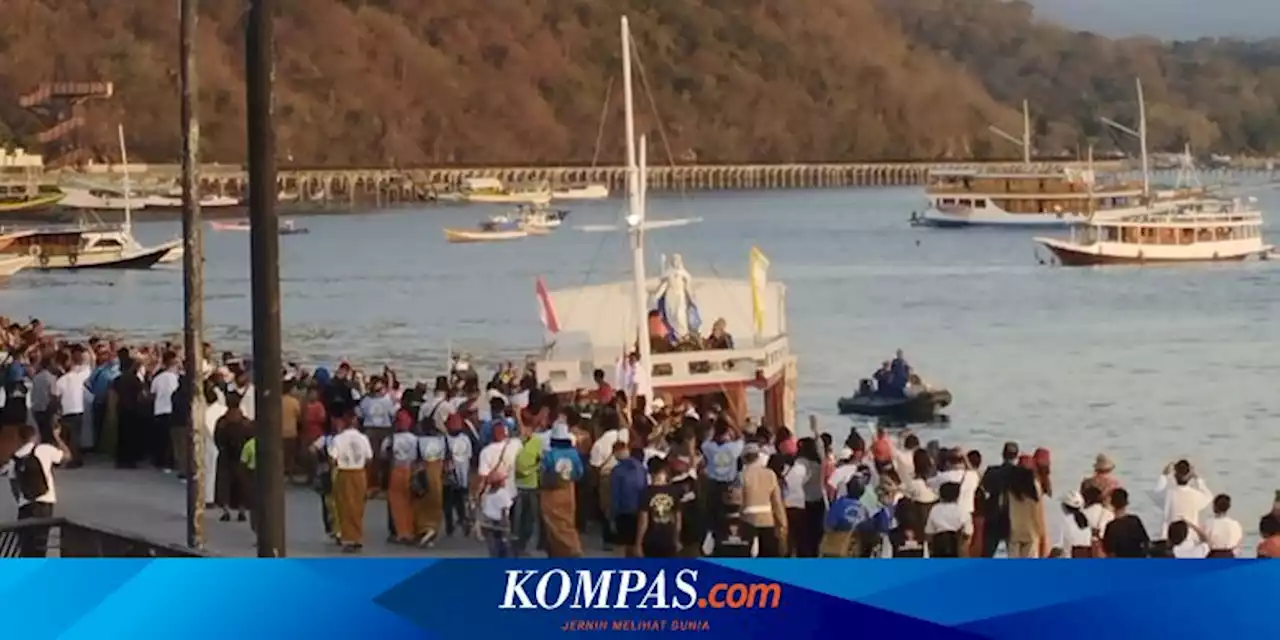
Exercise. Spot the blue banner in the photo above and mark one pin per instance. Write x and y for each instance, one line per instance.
(777, 599)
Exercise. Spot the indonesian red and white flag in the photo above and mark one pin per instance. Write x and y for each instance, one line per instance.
(546, 310)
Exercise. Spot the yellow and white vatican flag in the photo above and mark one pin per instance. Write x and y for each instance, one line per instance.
(759, 276)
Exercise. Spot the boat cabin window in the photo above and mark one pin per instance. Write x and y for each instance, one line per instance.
(948, 201)
(980, 203)
(108, 243)
(965, 202)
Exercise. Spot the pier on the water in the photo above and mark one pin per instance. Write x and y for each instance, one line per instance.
(392, 185)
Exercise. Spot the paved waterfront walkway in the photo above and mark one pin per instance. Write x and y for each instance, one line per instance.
(153, 505)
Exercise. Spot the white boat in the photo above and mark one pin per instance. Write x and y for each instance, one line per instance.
(492, 191)
(1033, 197)
(95, 246)
(483, 235)
(170, 201)
(533, 218)
(97, 199)
(591, 191)
(585, 340)
(1206, 231)
(12, 264)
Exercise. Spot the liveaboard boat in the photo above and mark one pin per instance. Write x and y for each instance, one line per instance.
(493, 191)
(1204, 231)
(1033, 197)
(99, 198)
(171, 200)
(16, 200)
(585, 336)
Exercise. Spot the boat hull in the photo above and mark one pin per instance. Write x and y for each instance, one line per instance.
(923, 407)
(588, 192)
(509, 198)
(467, 236)
(13, 264)
(1077, 255)
(135, 260)
(961, 218)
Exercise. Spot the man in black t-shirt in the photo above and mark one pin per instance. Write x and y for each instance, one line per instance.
(658, 527)
(1125, 536)
(693, 528)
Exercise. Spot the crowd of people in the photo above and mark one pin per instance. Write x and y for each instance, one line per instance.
(527, 471)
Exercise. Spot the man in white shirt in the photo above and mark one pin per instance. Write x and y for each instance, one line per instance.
(351, 453)
(70, 391)
(1183, 498)
(164, 386)
(33, 487)
(499, 457)
(1222, 533)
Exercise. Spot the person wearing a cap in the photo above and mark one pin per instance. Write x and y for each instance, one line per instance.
(993, 490)
(557, 494)
(847, 468)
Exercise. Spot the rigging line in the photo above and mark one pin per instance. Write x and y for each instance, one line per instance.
(604, 118)
(591, 266)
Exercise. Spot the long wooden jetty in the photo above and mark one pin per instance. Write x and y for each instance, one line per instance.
(391, 185)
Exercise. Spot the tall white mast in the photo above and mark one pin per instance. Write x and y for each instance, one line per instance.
(635, 215)
(124, 162)
(1142, 138)
(1026, 133)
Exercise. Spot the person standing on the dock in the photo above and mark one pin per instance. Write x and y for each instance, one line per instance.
(402, 450)
(215, 408)
(14, 414)
(429, 507)
(164, 389)
(31, 473)
(721, 454)
(1183, 498)
(457, 480)
(230, 434)
(352, 454)
(99, 386)
(561, 469)
(42, 399)
(132, 415)
(290, 428)
(70, 392)
(994, 490)
(376, 412)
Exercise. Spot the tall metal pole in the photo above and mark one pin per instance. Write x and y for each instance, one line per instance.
(265, 264)
(192, 280)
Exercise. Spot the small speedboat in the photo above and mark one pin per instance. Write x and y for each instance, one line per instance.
(536, 219)
(920, 407)
(287, 227)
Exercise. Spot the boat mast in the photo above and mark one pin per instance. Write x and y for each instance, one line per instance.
(1142, 138)
(124, 161)
(1026, 133)
(635, 215)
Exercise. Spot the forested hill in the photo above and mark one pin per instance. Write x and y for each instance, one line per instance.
(402, 82)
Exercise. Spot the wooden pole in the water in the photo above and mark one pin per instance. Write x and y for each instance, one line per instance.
(192, 281)
(264, 249)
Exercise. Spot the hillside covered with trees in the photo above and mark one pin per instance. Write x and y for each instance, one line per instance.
(401, 82)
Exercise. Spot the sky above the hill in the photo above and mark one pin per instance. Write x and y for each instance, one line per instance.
(1170, 19)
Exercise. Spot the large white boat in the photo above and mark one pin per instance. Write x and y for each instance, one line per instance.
(172, 200)
(493, 191)
(1025, 199)
(1204, 231)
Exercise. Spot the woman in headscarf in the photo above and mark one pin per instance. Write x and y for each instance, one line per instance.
(401, 450)
(561, 469)
(230, 434)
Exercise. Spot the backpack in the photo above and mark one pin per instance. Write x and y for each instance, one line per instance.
(29, 479)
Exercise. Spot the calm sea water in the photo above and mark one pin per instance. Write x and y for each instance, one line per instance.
(1147, 364)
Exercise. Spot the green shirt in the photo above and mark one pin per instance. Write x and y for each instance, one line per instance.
(249, 454)
(529, 463)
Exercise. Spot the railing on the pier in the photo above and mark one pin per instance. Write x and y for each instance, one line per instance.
(67, 539)
(712, 367)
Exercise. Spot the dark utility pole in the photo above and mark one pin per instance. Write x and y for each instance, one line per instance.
(192, 281)
(264, 239)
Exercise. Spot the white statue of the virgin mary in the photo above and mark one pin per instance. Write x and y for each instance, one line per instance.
(675, 300)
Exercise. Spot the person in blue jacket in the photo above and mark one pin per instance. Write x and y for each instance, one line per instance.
(561, 470)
